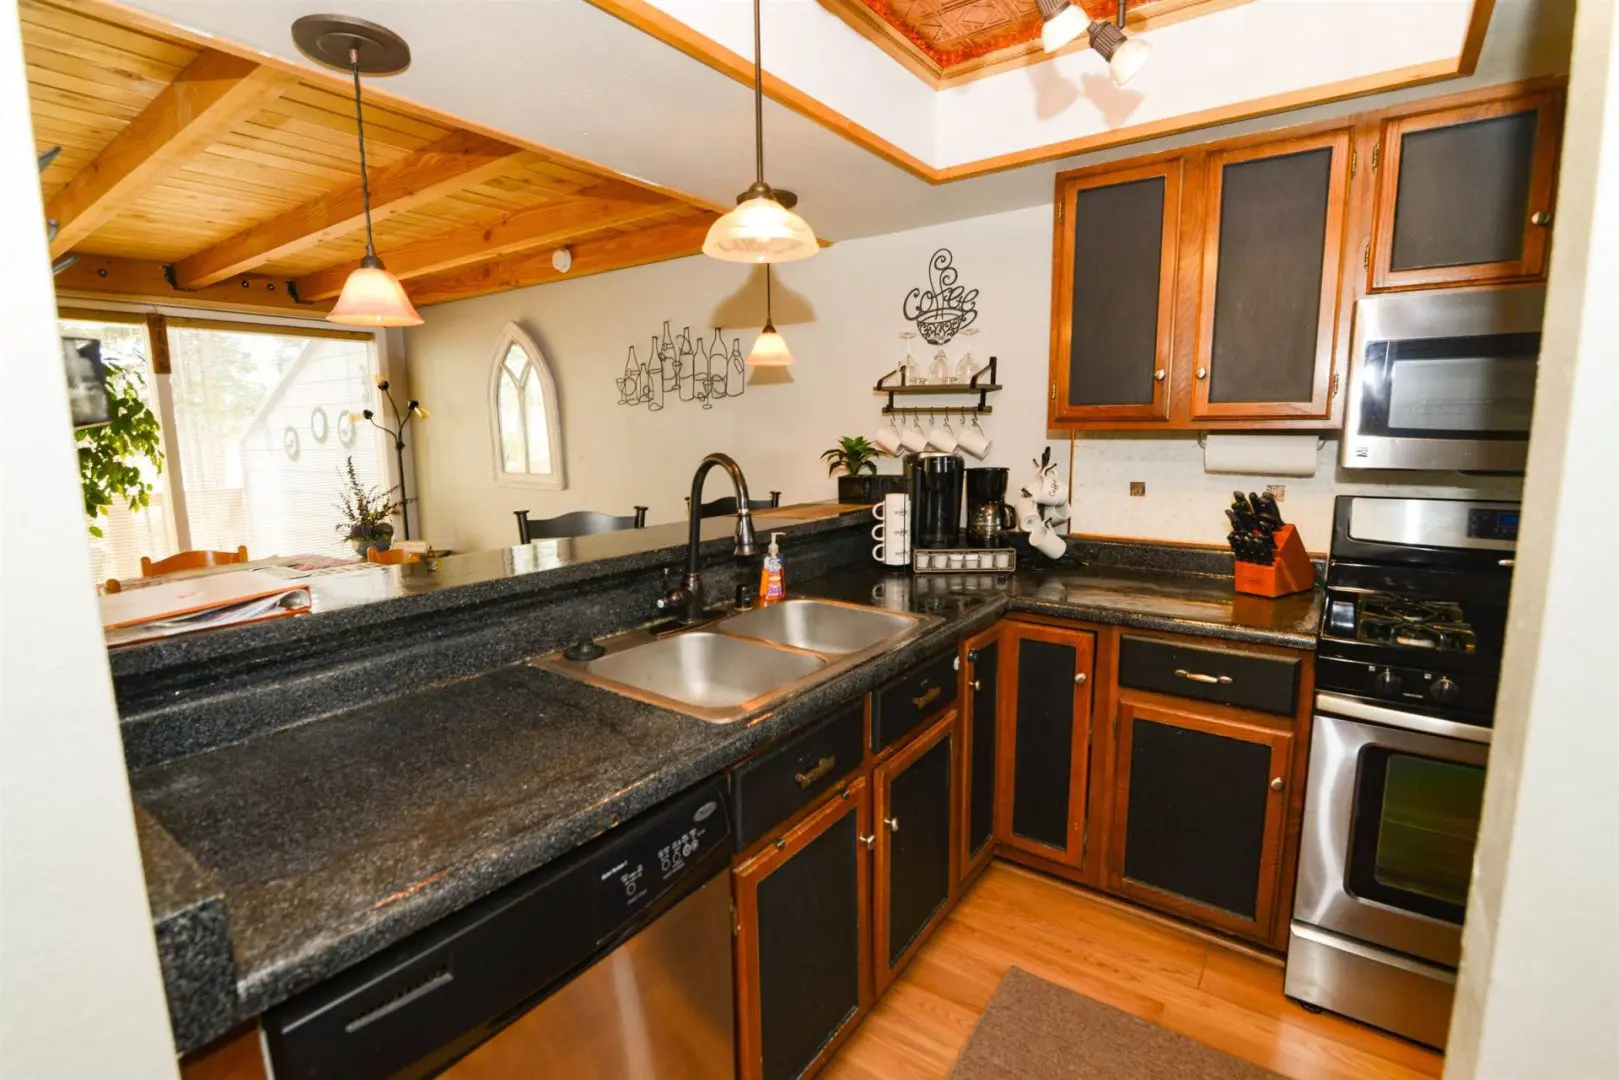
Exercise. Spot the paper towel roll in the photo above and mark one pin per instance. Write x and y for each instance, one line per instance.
(1270, 454)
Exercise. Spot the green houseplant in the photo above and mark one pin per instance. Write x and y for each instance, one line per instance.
(856, 456)
(365, 513)
(110, 454)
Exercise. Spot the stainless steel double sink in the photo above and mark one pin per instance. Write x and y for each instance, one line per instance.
(722, 671)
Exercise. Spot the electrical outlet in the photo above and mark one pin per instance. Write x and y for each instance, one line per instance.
(1278, 491)
(1138, 487)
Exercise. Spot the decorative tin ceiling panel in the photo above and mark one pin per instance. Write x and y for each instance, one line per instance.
(953, 32)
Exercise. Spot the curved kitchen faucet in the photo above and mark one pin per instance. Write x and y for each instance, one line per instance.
(687, 598)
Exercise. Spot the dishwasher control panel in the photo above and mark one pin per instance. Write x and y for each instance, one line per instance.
(637, 868)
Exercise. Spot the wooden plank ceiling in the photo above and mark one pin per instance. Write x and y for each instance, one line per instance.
(187, 173)
(948, 42)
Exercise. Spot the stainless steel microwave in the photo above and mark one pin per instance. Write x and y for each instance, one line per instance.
(1443, 379)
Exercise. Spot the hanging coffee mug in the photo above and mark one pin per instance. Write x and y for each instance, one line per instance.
(943, 437)
(915, 439)
(889, 440)
(974, 441)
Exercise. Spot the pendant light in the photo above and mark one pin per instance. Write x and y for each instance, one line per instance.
(371, 296)
(770, 348)
(763, 227)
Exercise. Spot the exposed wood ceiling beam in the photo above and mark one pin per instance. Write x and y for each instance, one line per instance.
(605, 206)
(457, 161)
(96, 277)
(672, 241)
(215, 92)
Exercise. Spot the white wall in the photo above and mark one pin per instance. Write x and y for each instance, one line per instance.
(80, 991)
(1538, 994)
(841, 314)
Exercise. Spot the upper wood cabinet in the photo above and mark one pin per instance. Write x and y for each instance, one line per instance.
(1114, 281)
(1214, 286)
(1464, 195)
(1272, 255)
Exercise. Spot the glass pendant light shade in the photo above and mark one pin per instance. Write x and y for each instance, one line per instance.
(770, 349)
(760, 230)
(373, 297)
(1062, 25)
(1127, 60)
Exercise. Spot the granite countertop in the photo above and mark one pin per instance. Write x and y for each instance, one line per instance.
(328, 840)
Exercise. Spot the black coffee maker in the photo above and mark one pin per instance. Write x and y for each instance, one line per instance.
(935, 483)
(989, 518)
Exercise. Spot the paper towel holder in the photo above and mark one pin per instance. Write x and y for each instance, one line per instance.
(1202, 443)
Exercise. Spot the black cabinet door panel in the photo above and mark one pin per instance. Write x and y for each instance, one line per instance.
(980, 822)
(918, 838)
(1197, 814)
(1463, 193)
(1043, 747)
(809, 948)
(1118, 245)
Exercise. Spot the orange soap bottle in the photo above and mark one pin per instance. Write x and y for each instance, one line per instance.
(772, 577)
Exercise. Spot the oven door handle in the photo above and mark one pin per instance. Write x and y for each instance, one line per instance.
(1397, 718)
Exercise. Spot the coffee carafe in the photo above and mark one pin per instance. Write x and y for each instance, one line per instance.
(989, 517)
(935, 483)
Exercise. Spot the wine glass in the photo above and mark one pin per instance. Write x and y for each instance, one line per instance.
(939, 372)
(967, 366)
(910, 371)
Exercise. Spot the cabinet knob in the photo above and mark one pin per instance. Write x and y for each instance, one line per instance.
(972, 656)
(1276, 784)
(892, 823)
(977, 685)
(956, 663)
(1541, 217)
(1079, 678)
(1202, 372)
(1158, 375)
(868, 841)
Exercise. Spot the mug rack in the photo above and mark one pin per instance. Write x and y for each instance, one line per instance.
(982, 384)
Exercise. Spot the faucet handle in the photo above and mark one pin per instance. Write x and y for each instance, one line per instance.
(674, 596)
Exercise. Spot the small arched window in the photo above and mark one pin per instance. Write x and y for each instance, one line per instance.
(527, 421)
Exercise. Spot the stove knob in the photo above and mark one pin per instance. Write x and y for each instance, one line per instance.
(1386, 683)
(1444, 690)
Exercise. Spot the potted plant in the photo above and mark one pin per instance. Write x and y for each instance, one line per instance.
(365, 514)
(856, 456)
(111, 454)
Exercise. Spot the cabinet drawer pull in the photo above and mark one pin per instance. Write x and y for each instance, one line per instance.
(892, 823)
(1199, 677)
(1276, 784)
(868, 841)
(819, 771)
(927, 697)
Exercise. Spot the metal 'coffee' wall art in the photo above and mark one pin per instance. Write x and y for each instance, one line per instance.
(944, 309)
(677, 368)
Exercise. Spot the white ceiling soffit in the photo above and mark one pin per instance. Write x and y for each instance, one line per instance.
(567, 75)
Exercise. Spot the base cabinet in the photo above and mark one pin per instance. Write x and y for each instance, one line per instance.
(980, 697)
(1199, 813)
(915, 844)
(803, 940)
(1045, 741)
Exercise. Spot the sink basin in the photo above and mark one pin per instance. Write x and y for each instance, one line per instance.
(830, 629)
(705, 671)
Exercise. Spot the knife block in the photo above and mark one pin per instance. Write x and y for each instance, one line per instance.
(1291, 572)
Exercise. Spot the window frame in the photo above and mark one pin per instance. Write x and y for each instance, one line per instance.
(556, 479)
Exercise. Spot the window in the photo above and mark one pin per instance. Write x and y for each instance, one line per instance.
(256, 431)
(527, 423)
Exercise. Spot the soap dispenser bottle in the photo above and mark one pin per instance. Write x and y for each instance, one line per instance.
(772, 578)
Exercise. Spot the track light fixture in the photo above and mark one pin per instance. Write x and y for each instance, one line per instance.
(1063, 23)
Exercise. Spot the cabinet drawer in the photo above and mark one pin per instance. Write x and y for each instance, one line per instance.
(1247, 680)
(783, 780)
(900, 706)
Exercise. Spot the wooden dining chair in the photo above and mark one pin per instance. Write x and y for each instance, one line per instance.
(577, 523)
(191, 560)
(727, 505)
(390, 557)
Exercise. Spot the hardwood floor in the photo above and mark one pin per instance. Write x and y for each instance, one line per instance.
(1216, 994)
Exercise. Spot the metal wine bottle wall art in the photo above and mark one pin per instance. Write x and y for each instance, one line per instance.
(682, 370)
(944, 309)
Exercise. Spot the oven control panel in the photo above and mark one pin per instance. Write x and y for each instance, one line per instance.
(1492, 523)
(1437, 691)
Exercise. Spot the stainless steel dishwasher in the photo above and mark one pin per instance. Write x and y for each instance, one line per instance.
(613, 963)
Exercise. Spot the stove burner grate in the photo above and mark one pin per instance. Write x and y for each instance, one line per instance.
(1414, 624)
